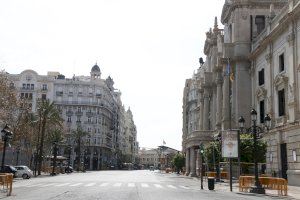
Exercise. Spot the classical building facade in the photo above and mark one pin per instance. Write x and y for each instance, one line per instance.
(159, 158)
(88, 102)
(251, 63)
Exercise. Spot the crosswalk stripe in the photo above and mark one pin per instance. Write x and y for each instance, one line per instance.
(76, 184)
(131, 184)
(157, 186)
(184, 187)
(171, 186)
(117, 184)
(104, 184)
(63, 184)
(145, 185)
(47, 185)
(35, 185)
(90, 184)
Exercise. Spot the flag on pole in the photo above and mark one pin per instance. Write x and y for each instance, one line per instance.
(229, 71)
(164, 142)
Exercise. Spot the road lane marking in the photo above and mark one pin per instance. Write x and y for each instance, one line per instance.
(184, 187)
(90, 184)
(157, 186)
(117, 184)
(76, 184)
(131, 184)
(50, 184)
(145, 185)
(171, 186)
(63, 184)
(35, 185)
(104, 185)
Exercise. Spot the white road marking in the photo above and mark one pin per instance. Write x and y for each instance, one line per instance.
(184, 187)
(145, 185)
(50, 184)
(117, 184)
(131, 184)
(157, 186)
(76, 184)
(171, 186)
(104, 185)
(90, 184)
(34, 185)
(63, 184)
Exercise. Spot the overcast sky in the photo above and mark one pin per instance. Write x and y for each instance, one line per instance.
(149, 48)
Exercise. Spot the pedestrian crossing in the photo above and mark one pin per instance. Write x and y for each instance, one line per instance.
(108, 184)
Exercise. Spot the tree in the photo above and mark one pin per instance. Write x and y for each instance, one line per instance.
(178, 161)
(78, 136)
(54, 138)
(9, 103)
(48, 116)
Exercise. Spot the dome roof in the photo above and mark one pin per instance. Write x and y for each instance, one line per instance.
(96, 68)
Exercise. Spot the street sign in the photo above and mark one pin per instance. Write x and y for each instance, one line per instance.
(230, 144)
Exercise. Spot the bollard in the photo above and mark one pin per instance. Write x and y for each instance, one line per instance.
(211, 183)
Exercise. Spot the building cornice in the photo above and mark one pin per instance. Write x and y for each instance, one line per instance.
(231, 5)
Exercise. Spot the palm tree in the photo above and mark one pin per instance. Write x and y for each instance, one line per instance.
(48, 117)
(78, 136)
(54, 138)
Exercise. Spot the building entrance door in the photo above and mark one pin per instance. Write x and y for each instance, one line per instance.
(284, 164)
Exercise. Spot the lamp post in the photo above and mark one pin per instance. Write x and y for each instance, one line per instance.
(18, 152)
(6, 136)
(54, 158)
(255, 131)
(201, 151)
(70, 151)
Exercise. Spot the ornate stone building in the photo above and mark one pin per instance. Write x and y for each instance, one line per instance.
(88, 102)
(251, 63)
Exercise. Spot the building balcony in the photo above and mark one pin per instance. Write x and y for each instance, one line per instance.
(196, 137)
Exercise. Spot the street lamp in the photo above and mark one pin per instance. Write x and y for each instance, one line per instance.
(6, 136)
(54, 158)
(255, 131)
(18, 152)
(201, 151)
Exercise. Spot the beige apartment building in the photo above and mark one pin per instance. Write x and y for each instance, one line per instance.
(260, 42)
(91, 103)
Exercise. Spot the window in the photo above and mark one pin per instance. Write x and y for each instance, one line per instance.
(24, 86)
(44, 96)
(281, 63)
(22, 95)
(28, 86)
(32, 86)
(89, 119)
(261, 77)
(30, 95)
(69, 119)
(281, 103)
(78, 119)
(262, 111)
(44, 87)
(79, 109)
(260, 23)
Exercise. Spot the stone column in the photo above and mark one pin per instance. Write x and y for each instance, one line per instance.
(198, 162)
(187, 161)
(206, 110)
(219, 101)
(226, 106)
(201, 103)
(192, 162)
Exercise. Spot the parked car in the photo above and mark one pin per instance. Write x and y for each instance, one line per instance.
(9, 169)
(68, 169)
(24, 172)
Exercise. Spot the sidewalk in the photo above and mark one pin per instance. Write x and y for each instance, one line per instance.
(293, 191)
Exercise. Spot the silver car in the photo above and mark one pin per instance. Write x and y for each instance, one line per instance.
(24, 172)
